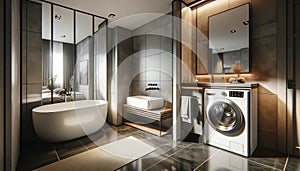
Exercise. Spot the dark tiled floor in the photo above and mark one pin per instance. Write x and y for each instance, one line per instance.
(293, 163)
(37, 156)
(40, 154)
(269, 158)
(169, 154)
(65, 150)
(223, 160)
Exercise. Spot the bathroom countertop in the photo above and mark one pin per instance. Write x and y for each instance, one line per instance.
(219, 85)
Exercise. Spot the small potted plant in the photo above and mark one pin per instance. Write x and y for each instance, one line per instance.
(236, 67)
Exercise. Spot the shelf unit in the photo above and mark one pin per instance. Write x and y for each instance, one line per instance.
(157, 115)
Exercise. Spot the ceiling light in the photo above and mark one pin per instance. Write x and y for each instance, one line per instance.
(111, 15)
(246, 23)
(232, 31)
(57, 17)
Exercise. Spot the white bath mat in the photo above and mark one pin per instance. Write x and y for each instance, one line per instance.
(105, 158)
(129, 147)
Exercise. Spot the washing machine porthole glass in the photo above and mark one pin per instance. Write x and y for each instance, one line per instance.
(226, 118)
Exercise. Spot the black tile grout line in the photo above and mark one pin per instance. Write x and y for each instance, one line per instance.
(44, 163)
(152, 141)
(285, 164)
(155, 143)
(35, 33)
(206, 160)
(132, 161)
(169, 157)
(251, 159)
(264, 37)
(179, 150)
(155, 163)
(269, 130)
(160, 145)
(66, 157)
(149, 140)
(267, 23)
(84, 145)
(141, 131)
(166, 157)
(73, 152)
(258, 163)
(56, 153)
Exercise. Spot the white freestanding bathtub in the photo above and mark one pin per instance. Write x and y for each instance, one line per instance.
(65, 121)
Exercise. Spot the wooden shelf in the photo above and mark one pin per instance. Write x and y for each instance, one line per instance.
(157, 115)
(147, 129)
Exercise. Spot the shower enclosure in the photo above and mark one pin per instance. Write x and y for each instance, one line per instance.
(63, 58)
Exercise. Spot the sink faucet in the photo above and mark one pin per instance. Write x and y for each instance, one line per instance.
(152, 87)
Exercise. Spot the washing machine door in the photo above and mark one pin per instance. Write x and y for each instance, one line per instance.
(226, 117)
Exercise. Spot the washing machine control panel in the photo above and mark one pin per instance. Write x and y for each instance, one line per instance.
(239, 94)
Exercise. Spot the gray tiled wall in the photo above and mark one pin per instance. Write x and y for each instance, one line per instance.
(34, 58)
(31, 66)
(84, 51)
(152, 53)
(120, 69)
(264, 60)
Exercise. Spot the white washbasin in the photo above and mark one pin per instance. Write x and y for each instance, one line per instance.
(145, 102)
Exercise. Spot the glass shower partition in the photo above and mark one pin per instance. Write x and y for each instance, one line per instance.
(52, 69)
(73, 54)
(100, 58)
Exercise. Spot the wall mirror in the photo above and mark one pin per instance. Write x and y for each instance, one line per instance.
(228, 42)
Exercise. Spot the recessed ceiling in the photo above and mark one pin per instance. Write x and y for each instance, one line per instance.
(122, 9)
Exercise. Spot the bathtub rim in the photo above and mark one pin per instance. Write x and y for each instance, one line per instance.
(37, 111)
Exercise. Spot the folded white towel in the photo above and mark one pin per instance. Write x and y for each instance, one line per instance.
(185, 106)
(186, 109)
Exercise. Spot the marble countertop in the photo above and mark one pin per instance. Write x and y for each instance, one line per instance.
(220, 85)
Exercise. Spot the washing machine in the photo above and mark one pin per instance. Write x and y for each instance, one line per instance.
(230, 119)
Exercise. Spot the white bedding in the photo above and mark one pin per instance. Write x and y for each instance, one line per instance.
(46, 97)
